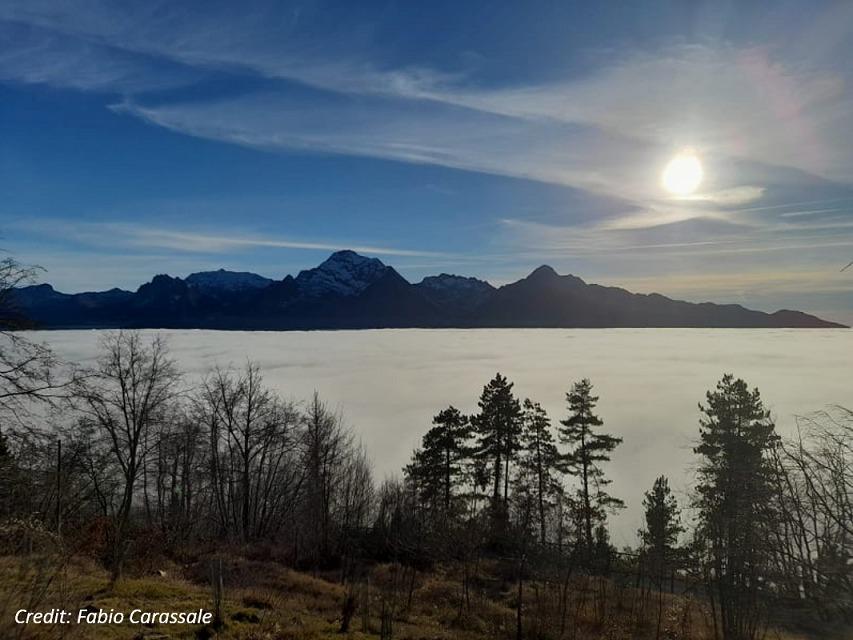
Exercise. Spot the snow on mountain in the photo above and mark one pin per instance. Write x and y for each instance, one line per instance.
(344, 273)
(354, 292)
(222, 280)
(455, 290)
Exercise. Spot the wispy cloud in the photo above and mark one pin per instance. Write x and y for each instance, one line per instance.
(112, 234)
(607, 130)
(771, 118)
(33, 55)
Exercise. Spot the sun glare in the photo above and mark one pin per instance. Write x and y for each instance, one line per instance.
(683, 175)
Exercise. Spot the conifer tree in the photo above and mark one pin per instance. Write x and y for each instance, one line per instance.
(439, 461)
(498, 430)
(733, 497)
(540, 459)
(663, 525)
(587, 450)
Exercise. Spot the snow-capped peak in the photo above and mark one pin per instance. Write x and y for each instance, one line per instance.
(344, 273)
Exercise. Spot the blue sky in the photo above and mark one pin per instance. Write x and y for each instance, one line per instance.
(476, 138)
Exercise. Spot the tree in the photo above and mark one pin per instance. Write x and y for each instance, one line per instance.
(326, 448)
(9, 479)
(660, 535)
(498, 428)
(734, 492)
(125, 398)
(180, 469)
(663, 523)
(587, 450)
(253, 440)
(540, 459)
(30, 373)
(813, 539)
(439, 461)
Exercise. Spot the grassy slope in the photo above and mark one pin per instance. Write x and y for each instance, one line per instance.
(266, 600)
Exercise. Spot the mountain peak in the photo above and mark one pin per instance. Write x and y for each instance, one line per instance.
(444, 280)
(224, 280)
(345, 273)
(162, 283)
(545, 271)
(460, 292)
(349, 257)
(349, 290)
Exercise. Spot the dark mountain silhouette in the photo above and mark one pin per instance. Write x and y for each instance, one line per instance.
(455, 294)
(222, 280)
(350, 291)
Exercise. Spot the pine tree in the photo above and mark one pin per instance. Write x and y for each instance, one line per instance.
(663, 525)
(587, 450)
(498, 428)
(733, 497)
(439, 461)
(540, 459)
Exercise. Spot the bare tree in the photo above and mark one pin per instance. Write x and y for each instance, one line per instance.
(813, 540)
(327, 446)
(30, 374)
(253, 447)
(179, 462)
(126, 398)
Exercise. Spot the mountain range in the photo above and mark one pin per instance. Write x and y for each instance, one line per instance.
(351, 291)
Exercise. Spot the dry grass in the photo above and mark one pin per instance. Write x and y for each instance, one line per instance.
(264, 600)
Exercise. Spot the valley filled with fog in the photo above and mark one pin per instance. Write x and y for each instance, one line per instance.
(390, 383)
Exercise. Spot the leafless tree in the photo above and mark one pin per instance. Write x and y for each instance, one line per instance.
(31, 375)
(178, 465)
(814, 500)
(326, 449)
(126, 398)
(253, 446)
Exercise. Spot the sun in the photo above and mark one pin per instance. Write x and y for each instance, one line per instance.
(683, 175)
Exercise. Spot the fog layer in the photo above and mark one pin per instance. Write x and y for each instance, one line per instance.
(389, 383)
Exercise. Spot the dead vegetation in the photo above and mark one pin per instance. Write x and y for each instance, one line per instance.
(265, 600)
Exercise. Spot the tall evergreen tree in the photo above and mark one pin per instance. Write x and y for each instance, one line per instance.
(498, 430)
(587, 450)
(663, 525)
(540, 459)
(733, 495)
(439, 461)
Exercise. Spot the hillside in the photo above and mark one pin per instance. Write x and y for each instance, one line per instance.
(263, 599)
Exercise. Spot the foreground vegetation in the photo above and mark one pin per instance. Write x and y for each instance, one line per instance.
(264, 599)
(159, 488)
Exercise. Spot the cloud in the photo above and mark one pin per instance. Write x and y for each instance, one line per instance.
(771, 117)
(33, 55)
(735, 196)
(112, 234)
(693, 242)
(725, 100)
(720, 99)
(426, 133)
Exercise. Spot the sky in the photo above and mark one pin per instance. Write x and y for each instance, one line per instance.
(477, 138)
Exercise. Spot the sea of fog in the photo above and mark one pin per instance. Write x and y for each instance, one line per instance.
(389, 383)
